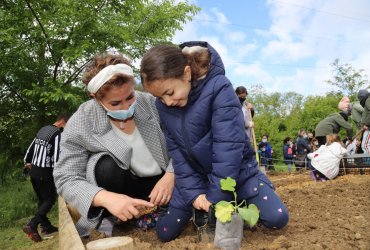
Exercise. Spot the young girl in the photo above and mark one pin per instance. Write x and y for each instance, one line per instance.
(205, 136)
(325, 161)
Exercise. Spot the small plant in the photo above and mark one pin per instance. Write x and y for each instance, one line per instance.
(224, 209)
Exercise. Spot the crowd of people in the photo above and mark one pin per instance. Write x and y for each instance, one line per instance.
(321, 151)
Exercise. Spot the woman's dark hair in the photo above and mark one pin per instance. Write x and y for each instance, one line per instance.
(240, 90)
(167, 61)
(101, 61)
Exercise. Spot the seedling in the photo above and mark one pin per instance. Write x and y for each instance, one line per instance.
(224, 209)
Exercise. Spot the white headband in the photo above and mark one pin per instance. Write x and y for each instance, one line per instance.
(105, 74)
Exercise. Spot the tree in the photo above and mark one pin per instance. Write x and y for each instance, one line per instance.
(348, 79)
(44, 46)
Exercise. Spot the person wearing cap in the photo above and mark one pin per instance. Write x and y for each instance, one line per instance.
(334, 122)
(363, 97)
(364, 139)
(114, 158)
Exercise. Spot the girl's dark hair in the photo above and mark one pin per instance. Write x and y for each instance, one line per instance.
(286, 139)
(167, 61)
(101, 61)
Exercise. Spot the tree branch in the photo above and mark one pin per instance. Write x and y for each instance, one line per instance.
(74, 74)
(42, 28)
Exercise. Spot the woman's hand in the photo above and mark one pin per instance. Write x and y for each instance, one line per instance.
(120, 205)
(162, 191)
(201, 203)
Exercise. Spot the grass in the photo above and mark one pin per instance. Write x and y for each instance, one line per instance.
(17, 206)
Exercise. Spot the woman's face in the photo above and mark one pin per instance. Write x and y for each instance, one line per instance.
(119, 98)
(172, 91)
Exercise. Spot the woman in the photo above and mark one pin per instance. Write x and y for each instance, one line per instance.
(114, 157)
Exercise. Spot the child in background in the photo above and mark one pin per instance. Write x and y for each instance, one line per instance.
(262, 157)
(325, 161)
(288, 153)
(205, 135)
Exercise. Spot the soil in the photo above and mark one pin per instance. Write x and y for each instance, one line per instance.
(323, 215)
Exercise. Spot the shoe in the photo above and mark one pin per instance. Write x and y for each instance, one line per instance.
(45, 231)
(106, 226)
(205, 224)
(32, 233)
(313, 176)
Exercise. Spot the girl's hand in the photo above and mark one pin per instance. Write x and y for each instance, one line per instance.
(162, 191)
(120, 205)
(201, 203)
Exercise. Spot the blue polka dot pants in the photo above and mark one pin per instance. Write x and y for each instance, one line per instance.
(273, 213)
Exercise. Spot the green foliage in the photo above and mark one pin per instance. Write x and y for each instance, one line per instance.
(225, 209)
(348, 79)
(44, 54)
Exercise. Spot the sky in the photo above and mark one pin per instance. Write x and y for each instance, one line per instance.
(283, 45)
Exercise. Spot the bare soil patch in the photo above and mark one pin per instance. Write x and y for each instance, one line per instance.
(323, 215)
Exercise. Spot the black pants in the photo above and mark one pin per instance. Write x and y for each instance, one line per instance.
(43, 184)
(321, 140)
(115, 179)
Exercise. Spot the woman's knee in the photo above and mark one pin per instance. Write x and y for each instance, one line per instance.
(108, 174)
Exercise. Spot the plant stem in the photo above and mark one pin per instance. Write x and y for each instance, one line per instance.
(236, 204)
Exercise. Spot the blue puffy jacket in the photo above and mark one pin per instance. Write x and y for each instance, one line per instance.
(207, 141)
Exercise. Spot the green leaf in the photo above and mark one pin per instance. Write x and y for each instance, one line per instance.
(249, 214)
(228, 184)
(224, 210)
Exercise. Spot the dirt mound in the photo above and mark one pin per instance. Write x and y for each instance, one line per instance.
(323, 215)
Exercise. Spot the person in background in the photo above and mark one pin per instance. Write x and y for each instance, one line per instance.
(205, 135)
(262, 157)
(325, 161)
(40, 159)
(334, 122)
(268, 152)
(247, 109)
(363, 97)
(314, 143)
(356, 114)
(114, 161)
(303, 148)
(288, 153)
(364, 133)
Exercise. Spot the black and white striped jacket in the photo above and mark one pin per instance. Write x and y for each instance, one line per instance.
(44, 149)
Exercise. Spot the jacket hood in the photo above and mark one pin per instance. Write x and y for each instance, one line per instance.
(216, 68)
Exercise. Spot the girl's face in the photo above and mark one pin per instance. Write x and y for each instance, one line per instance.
(172, 91)
(119, 98)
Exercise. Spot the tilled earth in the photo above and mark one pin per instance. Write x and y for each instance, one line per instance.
(323, 215)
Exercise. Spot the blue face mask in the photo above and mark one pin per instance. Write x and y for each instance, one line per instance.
(121, 114)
